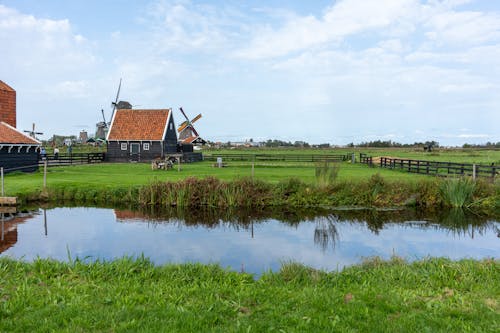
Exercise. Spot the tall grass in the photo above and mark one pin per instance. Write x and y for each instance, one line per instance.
(326, 173)
(376, 191)
(457, 192)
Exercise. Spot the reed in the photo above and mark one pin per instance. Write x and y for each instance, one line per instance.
(326, 173)
(376, 191)
(457, 193)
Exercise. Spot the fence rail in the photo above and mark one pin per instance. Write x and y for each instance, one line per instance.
(365, 159)
(440, 168)
(278, 157)
(70, 159)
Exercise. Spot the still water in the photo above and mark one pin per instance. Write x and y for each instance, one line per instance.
(246, 240)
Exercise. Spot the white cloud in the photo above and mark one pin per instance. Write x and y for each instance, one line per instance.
(343, 19)
(37, 46)
(73, 89)
(464, 27)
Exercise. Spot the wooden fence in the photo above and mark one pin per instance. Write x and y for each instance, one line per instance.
(440, 168)
(71, 159)
(365, 159)
(279, 157)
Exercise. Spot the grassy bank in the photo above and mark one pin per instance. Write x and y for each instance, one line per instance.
(290, 184)
(435, 295)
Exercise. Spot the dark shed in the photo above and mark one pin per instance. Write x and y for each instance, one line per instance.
(141, 135)
(18, 152)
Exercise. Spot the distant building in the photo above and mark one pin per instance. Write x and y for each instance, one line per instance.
(83, 137)
(17, 150)
(141, 135)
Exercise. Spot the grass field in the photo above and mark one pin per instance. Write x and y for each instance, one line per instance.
(434, 295)
(119, 175)
(479, 156)
(288, 183)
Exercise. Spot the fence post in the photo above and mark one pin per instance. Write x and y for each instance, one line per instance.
(1, 170)
(474, 171)
(44, 174)
(353, 158)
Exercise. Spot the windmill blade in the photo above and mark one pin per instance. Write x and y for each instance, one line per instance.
(194, 131)
(103, 117)
(187, 119)
(182, 126)
(118, 92)
(196, 118)
(116, 99)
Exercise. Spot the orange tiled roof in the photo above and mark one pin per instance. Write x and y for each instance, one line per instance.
(5, 86)
(9, 134)
(190, 139)
(134, 124)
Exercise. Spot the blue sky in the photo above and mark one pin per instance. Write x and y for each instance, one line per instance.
(320, 71)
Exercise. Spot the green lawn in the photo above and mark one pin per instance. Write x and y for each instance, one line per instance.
(120, 175)
(479, 156)
(434, 295)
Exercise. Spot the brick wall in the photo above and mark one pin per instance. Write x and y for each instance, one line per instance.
(7, 104)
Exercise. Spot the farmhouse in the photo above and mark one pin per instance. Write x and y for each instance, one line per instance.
(141, 135)
(17, 150)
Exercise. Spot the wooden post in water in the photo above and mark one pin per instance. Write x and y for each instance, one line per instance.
(44, 174)
(1, 171)
(45, 220)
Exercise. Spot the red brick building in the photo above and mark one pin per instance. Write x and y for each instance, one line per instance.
(18, 152)
(7, 104)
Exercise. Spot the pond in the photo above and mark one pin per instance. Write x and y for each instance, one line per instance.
(247, 240)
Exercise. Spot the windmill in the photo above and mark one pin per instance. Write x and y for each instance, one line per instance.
(32, 133)
(103, 126)
(186, 130)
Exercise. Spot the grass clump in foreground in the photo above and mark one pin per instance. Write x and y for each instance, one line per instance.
(457, 193)
(435, 295)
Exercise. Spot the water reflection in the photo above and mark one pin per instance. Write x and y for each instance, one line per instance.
(254, 239)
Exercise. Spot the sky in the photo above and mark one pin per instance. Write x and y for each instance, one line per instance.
(316, 71)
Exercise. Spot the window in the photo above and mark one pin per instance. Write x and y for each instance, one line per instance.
(145, 146)
(171, 126)
(123, 146)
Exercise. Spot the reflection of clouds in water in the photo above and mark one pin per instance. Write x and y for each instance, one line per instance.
(324, 242)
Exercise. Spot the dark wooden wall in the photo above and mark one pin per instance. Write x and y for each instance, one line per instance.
(18, 161)
(115, 154)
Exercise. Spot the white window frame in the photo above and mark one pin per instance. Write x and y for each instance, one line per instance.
(145, 146)
(123, 146)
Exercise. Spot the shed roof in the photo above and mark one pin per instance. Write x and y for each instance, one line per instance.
(4, 86)
(135, 124)
(10, 135)
(190, 139)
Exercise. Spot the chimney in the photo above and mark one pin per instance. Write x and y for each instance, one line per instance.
(7, 104)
